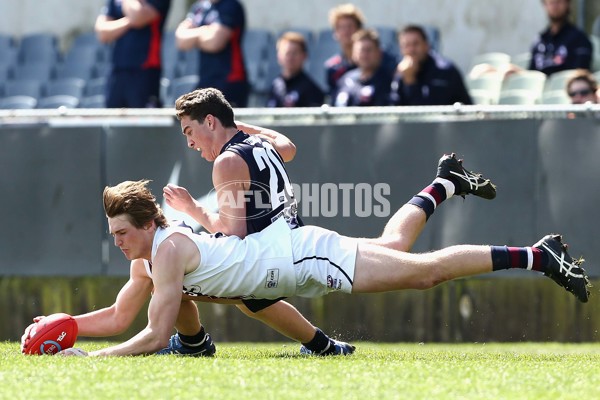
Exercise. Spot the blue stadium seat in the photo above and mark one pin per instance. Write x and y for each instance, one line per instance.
(256, 43)
(39, 70)
(6, 42)
(97, 101)
(388, 37)
(179, 86)
(66, 86)
(57, 101)
(17, 102)
(23, 87)
(81, 71)
(96, 86)
(88, 55)
(101, 70)
(39, 47)
(6, 72)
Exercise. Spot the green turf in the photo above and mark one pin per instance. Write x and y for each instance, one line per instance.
(277, 371)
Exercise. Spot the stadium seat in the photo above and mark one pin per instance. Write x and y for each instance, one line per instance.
(101, 70)
(57, 101)
(39, 47)
(558, 80)
(6, 72)
(388, 37)
(97, 101)
(82, 71)
(66, 86)
(256, 42)
(490, 82)
(39, 70)
(9, 55)
(6, 42)
(559, 96)
(96, 86)
(434, 37)
(23, 87)
(517, 96)
(17, 103)
(179, 86)
(483, 97)
(495, 59)
(86, 39)
(88, 55)
(532, 81)
(595, 52)
(521, 60)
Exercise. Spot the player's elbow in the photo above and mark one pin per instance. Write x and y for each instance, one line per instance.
(288, 152)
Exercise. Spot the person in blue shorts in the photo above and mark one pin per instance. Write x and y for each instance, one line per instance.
(135, 28)
(216, 28)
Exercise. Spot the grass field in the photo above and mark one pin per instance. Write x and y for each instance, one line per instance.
(277, 371)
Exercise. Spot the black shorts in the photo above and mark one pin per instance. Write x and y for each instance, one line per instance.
(255, 305)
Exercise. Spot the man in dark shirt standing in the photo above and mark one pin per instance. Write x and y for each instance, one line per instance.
(216, 28)
(135, 27)
(423, 77)
(369, 84)
(293, 87)
(562, 45)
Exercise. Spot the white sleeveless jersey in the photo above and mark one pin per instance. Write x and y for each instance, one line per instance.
(234, 268)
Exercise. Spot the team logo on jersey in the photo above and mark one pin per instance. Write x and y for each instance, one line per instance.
(272, 278)
(334, 283)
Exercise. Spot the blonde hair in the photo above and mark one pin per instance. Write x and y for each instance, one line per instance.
(347, 10)
(134, 199)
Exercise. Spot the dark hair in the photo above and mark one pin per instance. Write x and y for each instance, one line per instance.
(585, 76)
(134, 199)
(414, 29)
(201, 102)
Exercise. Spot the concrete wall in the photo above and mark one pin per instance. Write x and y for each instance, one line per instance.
(468, 27)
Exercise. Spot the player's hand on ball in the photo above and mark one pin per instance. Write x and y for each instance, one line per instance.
(26, 336)
(73, 352)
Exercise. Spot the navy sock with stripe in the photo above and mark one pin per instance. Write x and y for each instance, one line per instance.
(433, 195)
(505, 257)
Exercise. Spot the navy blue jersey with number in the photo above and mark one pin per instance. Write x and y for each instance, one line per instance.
(270, 195)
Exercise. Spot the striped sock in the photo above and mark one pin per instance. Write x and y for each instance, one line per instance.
(504, 257)
(433, 195)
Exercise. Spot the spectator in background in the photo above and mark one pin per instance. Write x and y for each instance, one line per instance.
(135, 27)
(293, 87)
(582, 88)
(423, 77)
(346, 20)
(562, 45)
(369, 84)
(216, 28)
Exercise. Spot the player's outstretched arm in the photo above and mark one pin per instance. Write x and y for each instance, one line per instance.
(173, 256)
(117, 318)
